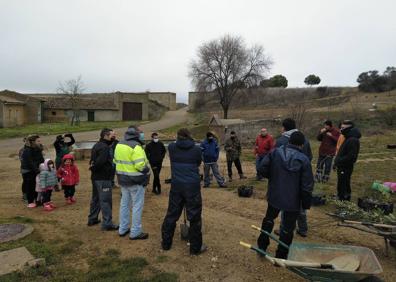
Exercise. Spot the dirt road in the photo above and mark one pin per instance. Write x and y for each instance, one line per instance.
(171, 118)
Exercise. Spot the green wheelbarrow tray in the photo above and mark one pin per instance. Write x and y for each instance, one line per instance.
(323, 253)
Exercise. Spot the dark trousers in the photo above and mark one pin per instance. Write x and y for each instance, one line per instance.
(101, 200)
(29, 186)
(188, 195)
(286, 233)
(344, 183)
(157, 182)
(46, 196)
(238, 166)
(69, 190)
(323, 168)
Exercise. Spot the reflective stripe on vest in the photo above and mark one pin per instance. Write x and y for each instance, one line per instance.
(126, 162)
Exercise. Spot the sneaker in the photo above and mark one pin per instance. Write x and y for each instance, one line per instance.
(48, 207)
(110, 228)
(202, 250)
(141, 236)
(31, 205)
(69, 201)
(94, 222)
(73, 199)
(124, 233)
(52, 204)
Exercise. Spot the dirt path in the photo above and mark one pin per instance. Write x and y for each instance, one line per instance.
(171, 118)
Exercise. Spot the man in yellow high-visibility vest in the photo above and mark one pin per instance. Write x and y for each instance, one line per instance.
(133, 175)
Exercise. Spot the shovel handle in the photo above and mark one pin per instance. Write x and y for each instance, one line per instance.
(370, 224)
(271, 236)
(285, 262)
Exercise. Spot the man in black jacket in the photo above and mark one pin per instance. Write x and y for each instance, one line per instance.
(155, 152)
(102, 172)
(290, 183)
(346, 158)
(185, 191)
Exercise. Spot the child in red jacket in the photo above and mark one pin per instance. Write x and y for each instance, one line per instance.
(69, 177)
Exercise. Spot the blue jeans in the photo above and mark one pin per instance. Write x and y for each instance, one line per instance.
(132, 197)
(216, 173)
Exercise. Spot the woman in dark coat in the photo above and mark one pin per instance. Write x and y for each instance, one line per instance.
(62, 148)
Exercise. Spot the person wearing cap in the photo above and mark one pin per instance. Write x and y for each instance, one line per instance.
(155, 152)
(290, 184)
(102, 171)
(328, 136)
(210, 155)
(264, 144)
(233, 150)
(185, 158)
(132, 169)
(346, 158)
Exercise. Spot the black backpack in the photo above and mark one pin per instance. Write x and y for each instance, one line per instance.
(245, 191)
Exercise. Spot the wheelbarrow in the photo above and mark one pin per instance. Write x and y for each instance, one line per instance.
(323, 262)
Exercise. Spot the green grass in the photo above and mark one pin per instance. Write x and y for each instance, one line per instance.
(60, 128)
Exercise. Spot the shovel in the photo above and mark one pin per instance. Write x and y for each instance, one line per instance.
(184, 227)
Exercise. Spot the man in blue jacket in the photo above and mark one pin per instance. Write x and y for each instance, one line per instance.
(185, 158)
(288, 128)
(290, 183)
(210, 154)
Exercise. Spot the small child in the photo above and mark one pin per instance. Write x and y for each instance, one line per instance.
(69, 177)
(45, 182)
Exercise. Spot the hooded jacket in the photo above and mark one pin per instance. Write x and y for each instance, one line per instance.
(101, 163)
(290, 178)
(185, 158)
(68, 174)
(210, 151)
(328, 143)
(349, 150)
(47, 179)
(284, 140)
(131, 161)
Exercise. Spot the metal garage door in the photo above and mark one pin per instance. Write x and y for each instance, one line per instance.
(131, 111)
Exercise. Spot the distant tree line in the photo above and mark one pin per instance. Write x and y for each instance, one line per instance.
(373, 81)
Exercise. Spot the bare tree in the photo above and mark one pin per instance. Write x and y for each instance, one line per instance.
(72, 89)
(225, 65)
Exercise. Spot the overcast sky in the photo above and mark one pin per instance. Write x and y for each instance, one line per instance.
(134, 46)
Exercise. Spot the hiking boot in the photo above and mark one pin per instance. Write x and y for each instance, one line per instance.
(141, 236)
(69, 201)
(110, 228)
(202, 250)
(94, 222)
(31, 205)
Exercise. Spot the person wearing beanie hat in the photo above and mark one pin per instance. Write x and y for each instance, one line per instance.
(290, 184)
(185, 158)
(210, 155)
(328, 136)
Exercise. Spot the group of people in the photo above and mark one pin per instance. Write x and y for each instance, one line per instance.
(286, 162)
(42, 176)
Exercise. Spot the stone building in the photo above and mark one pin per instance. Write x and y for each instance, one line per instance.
(17, 109)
